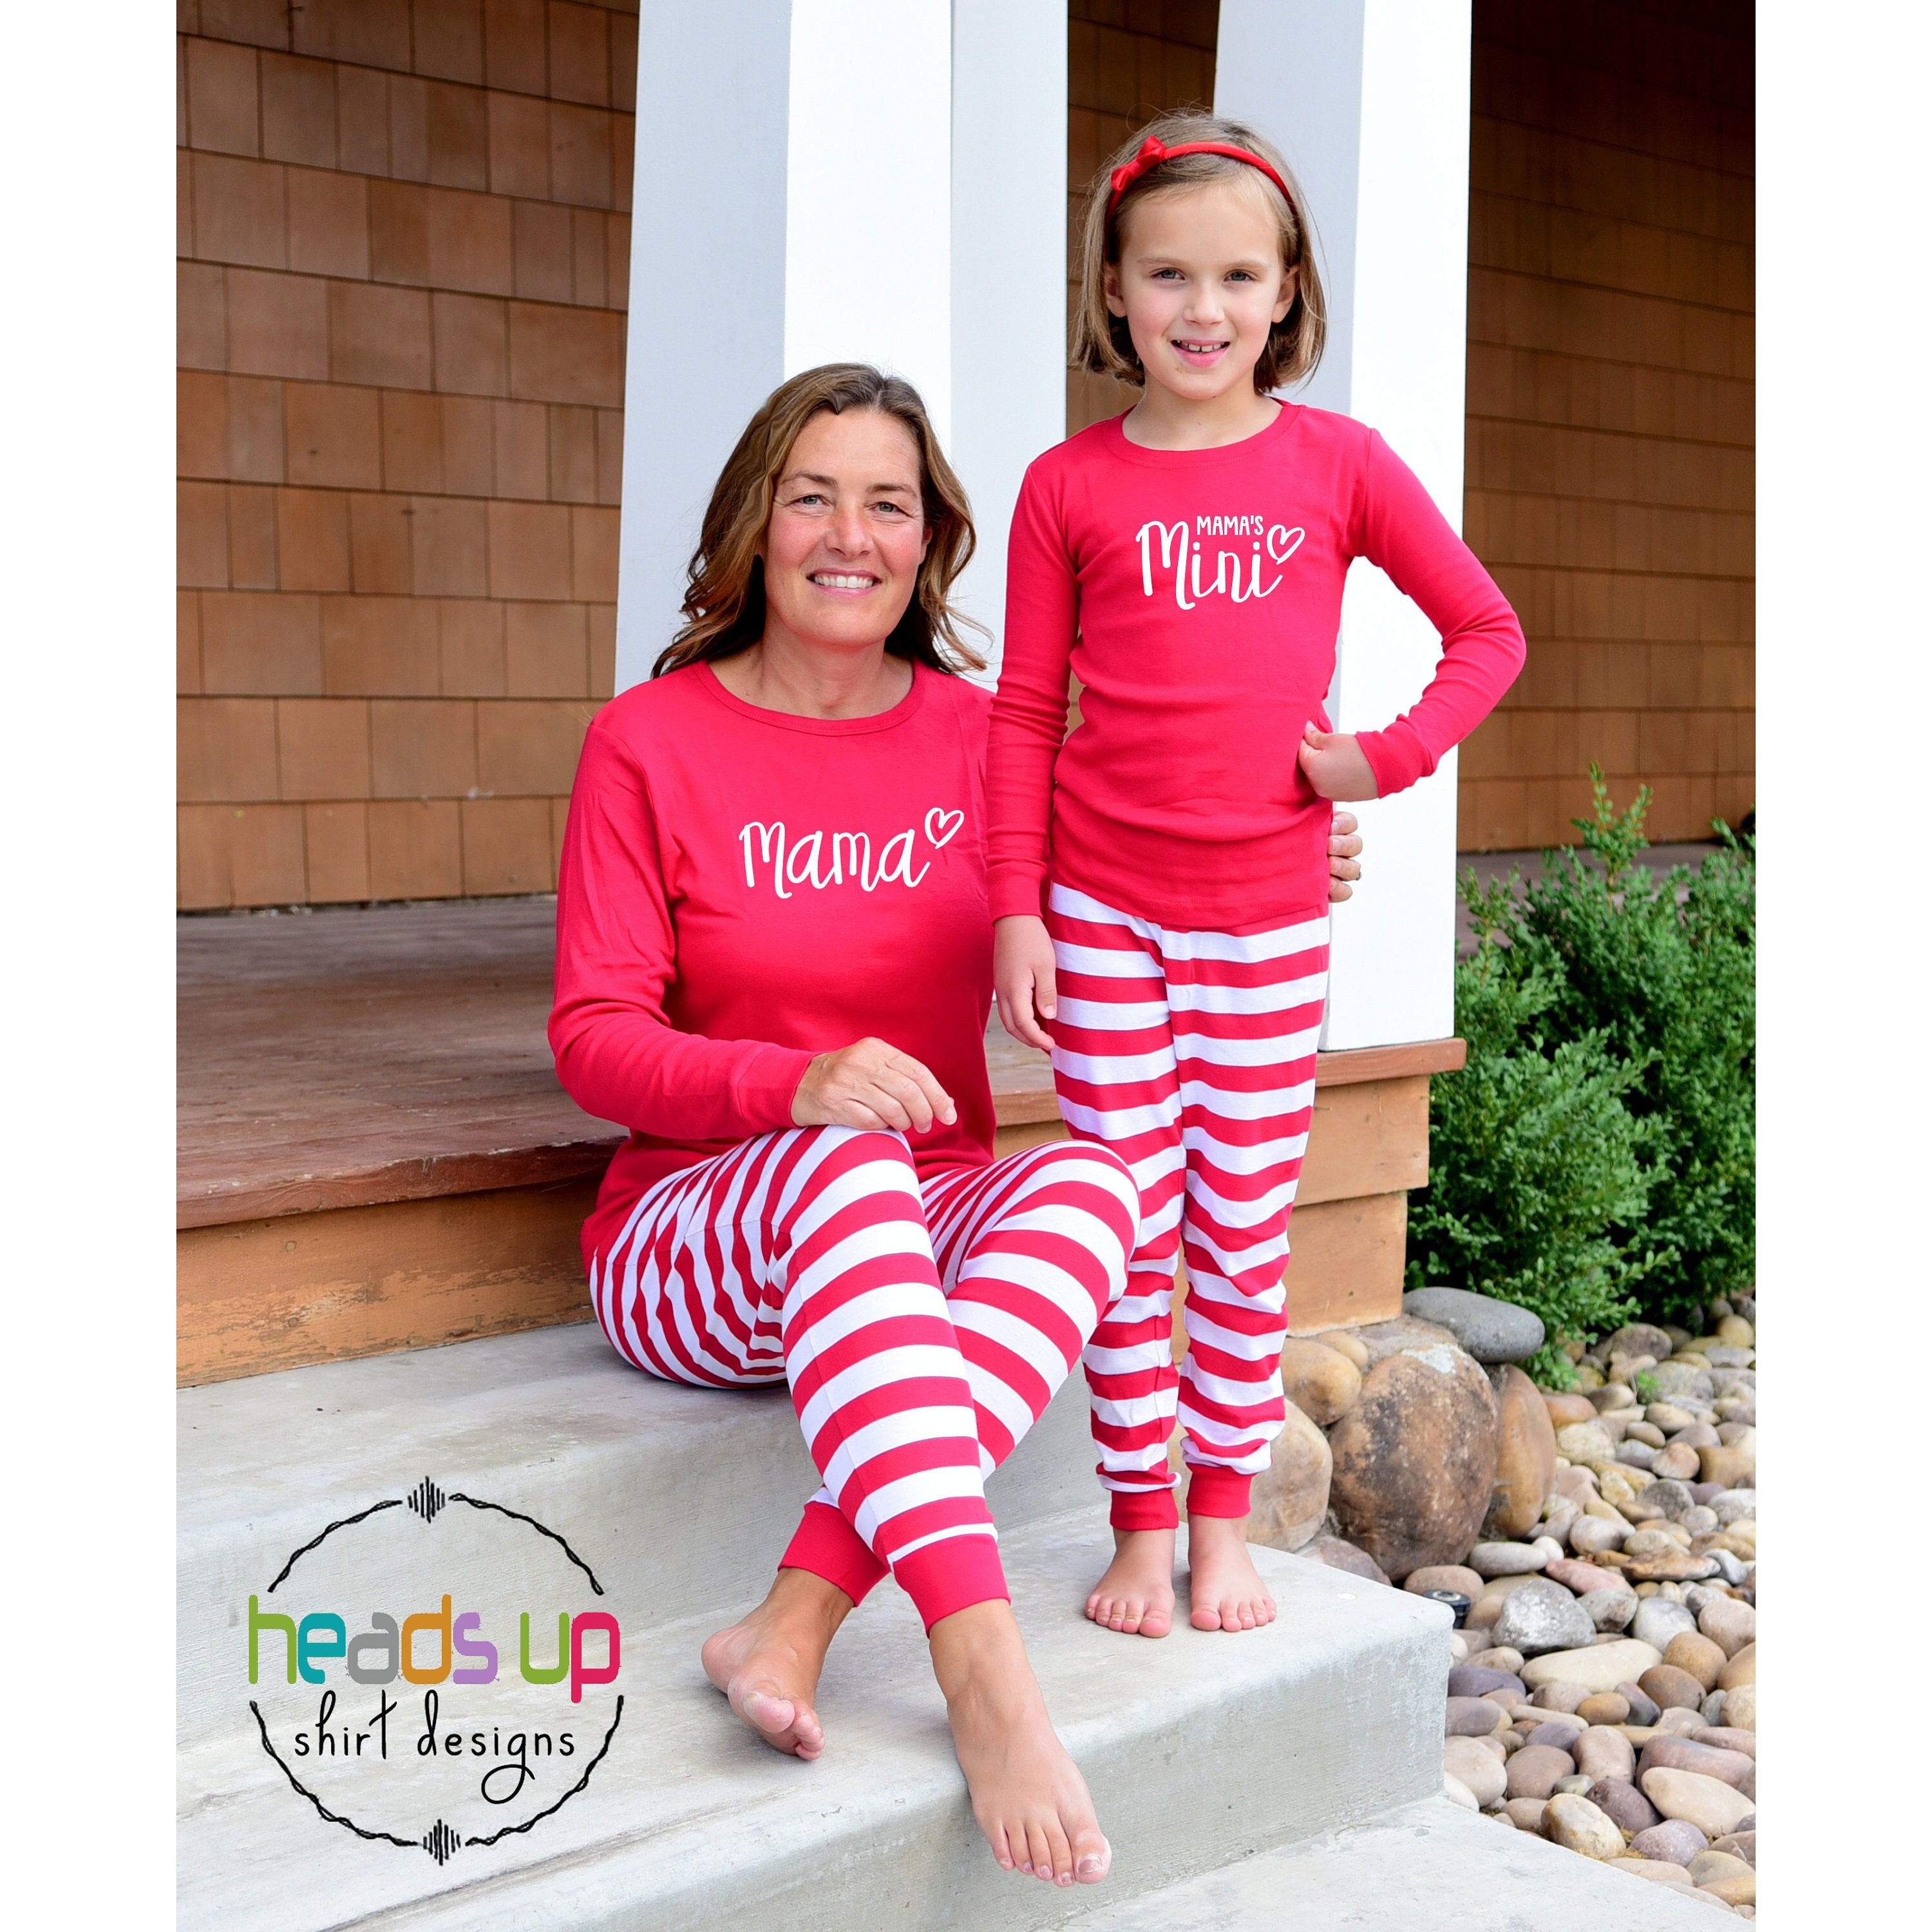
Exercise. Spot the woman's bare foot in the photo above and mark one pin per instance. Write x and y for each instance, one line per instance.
(1136, 1595)
(767, 1663)
(1028, 1796)
(1227, 1589)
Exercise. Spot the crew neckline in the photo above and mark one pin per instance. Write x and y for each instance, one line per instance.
(1123, 446)
(821, 727)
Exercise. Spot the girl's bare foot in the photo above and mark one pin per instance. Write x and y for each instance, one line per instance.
(1136, 1595)
(1028, 1797)
(1227, 1591)
(767, 1663)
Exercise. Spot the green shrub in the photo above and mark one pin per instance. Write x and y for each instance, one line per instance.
(1595, 1159)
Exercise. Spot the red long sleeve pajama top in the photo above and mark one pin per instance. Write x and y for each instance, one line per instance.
(1197, 596)
(741, 889)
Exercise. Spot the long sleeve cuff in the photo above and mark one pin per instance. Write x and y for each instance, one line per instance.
(1397, 756)
(1015, 891)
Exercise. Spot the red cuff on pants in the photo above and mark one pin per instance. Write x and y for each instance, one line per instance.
(828, 1546)
(952, 1574)
(1212, 1491)
(1143, 1509)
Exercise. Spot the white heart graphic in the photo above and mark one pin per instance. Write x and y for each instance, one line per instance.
(941, 826)
(1291, 539)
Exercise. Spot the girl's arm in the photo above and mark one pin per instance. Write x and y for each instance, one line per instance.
(1402, 532)
(1029, 721)
(618, 1056)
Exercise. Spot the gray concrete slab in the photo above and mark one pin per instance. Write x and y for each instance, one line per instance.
(1197, 1748)
(1430, 1865)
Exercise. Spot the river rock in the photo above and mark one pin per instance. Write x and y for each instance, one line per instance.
(1610, 1610)
(1471, 1680)
(1658, 1621)
(1682, 1384)
(1472, 1717)
(1578, 1825)
(1643, 1708)
(1672, 1688)
(1603, 1666)
(1732, 1768)
(1592, 1535)
(1669, 1566)
(1713, 1806)
(1694, 1653)
(1525, 1813)
(1465, 1760)
(1345, 1341)
(1604, 1707)
(1339, 1554)
(1699, 1435)
(1507, 1559)
(1455, 1577)
(1741, 1708)
(1457, 1792)
(1288, 1501)
(1676, 1841)
(1542, 1616)
(1675, 1464)
(1739, 1670)
(1657, 1870)
(1582, 1577)
(1500, 1657)
(1735, 1332)
(1727, 1737)
(1415, 1458)
(1526, 1455)
(1731, 1506)
(1565, 1409)
(1382, 1340)
(1320, 1382)
(1600, 1753)
(1585, 1442)
(1491, 1331)
(1560, 1733)
(1638, 1338)
(1734, 1464)
(1740, 1845)
(1533, 1771)
(1667, 1498)
(1562, 1698)
(1623, 1802)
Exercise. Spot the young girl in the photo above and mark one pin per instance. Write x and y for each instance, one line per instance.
(1158, 879)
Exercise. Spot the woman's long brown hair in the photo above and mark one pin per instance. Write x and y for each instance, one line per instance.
(724, 606)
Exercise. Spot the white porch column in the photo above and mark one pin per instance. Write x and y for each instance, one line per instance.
(1370, 101)
(797, 201)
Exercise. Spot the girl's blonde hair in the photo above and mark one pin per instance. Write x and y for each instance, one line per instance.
(724, 606)
(1101, 343)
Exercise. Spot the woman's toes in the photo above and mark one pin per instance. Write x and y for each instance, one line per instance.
(1092, 1856)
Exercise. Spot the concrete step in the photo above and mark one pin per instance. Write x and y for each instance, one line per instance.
(1432, 1863)
(682, 1499)
(1198, 1749)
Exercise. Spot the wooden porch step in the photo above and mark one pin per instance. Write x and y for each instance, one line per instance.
(374, 1153)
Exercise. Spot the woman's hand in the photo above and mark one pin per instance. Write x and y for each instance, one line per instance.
(872, 1085)
(1023, 978)
(1335, 765)
(1345, 848)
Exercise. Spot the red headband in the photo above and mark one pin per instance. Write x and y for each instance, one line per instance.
(1152, 154)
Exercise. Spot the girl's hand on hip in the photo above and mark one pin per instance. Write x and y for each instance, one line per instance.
(1023, 978)
(872, 1085)
(1345, 849)
(1335, 764)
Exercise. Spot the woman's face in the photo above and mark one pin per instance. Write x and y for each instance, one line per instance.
(848, 531)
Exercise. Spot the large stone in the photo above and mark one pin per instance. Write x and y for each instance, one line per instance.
(1740, 1708)
(1669, 1566)
(1665, 1498)
(1601, 1752)
(1565, 1409)
(1739, 1670)
(1525, 1454)
(1472, 1717)
(1542, 1616)
(1622, 1801)
(1693, 1653)
(1457, 1792)
(1534, 1770)
(1525, 1813)
(1587, 1443)
(1610, 1609)
(1734, 1464)
(1578, 1825)
(1320, 1382)
(1713, 1806)
(1467, 1760)
(1638, 1338)
(1656, 1870)
(1338, 1554)
(1583, 1577)
(1289, 1499)
(1592, 1535)
(1681, 1383)
(1346, 1342)
(1562, 1698)
(1728, 1737)
(1729, 1767)
(1471, 1680)
(1604, 1707)
(1491, 1331)
(1678, 1463)
(1672, 1688)
(1415, 1458)
(1382, 1340)
(1676, 1841)
(1491, 1560)
(1603, 1666)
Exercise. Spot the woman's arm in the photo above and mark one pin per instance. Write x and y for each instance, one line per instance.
(617, 1054)
(1403, 532)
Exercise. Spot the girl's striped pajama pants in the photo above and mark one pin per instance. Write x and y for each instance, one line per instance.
(1191, 1055)
(923, 1326)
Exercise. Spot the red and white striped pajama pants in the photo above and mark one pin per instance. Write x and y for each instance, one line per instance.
(923, 1326)
(1191, 1055)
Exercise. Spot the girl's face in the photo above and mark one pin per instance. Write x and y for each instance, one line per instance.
(848, 531)
(1200, 281)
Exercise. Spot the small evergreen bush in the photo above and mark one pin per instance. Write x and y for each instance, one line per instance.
(1595, 1159)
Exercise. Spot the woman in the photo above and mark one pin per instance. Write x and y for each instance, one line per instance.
(775, 849)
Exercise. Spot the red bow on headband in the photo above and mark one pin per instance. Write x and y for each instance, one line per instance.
(1153, 153)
